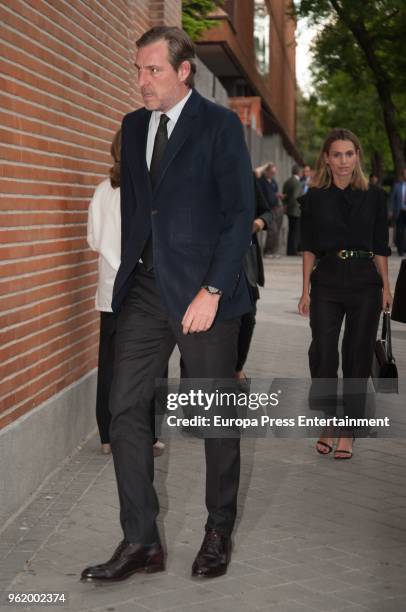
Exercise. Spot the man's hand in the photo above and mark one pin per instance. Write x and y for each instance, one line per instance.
(258, 225)
(201, 311)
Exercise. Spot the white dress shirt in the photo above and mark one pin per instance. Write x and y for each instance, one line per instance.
(173, 114)
(104, 236)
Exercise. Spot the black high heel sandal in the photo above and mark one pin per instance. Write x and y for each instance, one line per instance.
(328, 432)
(345, 454)
(325, 445)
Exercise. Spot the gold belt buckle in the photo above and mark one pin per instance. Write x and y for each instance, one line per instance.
(343, 254)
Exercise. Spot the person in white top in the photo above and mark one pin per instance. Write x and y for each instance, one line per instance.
(104, 237)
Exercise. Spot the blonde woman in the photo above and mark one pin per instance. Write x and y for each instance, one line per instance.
(344, 239)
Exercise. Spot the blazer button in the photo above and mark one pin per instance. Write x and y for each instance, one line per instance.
(154, 211)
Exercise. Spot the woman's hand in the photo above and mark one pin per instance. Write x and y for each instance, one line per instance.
(387, 299)
(304, 305)
(381, 263)
(258, 225)
(308, 259)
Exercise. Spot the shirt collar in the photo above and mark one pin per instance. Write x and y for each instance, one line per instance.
(346, 190)
(174, 112)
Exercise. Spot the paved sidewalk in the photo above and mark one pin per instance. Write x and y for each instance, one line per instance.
(312, 533)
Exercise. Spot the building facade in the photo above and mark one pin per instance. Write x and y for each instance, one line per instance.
(67, 78)
(252, 50)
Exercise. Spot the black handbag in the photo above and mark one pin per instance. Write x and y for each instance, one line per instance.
(384, 371)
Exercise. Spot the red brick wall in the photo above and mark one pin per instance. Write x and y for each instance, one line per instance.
(166, 12)
(66, 80)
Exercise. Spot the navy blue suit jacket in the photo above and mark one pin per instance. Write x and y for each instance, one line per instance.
(200, 211)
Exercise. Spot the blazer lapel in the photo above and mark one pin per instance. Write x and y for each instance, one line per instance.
(137, 146)
(181, 132)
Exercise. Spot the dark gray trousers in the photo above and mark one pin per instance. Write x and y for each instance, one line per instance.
(145, 338)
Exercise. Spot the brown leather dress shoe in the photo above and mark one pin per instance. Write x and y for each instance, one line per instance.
(127, 559)
(214, 555)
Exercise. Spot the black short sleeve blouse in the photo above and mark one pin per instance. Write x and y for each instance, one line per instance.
(334, 219)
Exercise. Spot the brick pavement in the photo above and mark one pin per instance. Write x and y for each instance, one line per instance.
(311, 534)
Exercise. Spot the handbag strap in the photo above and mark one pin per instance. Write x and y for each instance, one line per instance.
(387, 335)
(384, 326)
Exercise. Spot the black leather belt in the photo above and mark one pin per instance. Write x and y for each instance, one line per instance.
(350, 254)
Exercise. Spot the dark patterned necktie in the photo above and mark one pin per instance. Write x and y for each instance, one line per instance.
(160, 142)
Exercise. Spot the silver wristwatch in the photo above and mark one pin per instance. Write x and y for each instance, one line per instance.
(212, 290)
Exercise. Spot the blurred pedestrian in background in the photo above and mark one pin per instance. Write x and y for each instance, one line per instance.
(373, 179)
(104, 237)
(292, 190)
(345, 227)
(269, 187)
(254, 270)
(399, 298)
(306, 178)
(398, 205)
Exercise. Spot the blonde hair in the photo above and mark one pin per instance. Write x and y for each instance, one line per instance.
(323, 177)
(115, 151)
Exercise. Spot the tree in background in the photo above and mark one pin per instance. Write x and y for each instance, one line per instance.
(360, 71)
(194, 16)
(311, 127)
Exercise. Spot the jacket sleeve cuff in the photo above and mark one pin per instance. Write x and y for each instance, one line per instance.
(383, 251)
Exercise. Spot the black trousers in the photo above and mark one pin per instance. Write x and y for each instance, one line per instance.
(361, 308)
(145, 338)
(273, 232)
(401, 232)
(246, 332)
(293, 235)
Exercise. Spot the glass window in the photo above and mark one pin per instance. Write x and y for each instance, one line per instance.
(261, 35)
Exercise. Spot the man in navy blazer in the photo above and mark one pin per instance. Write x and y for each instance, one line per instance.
(187, 205)
(398, 204)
